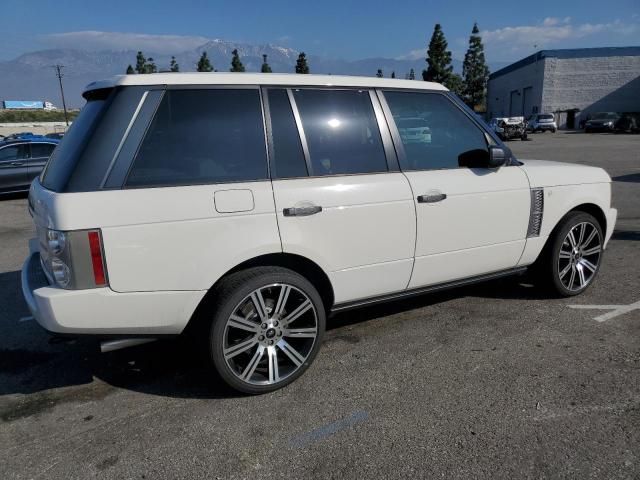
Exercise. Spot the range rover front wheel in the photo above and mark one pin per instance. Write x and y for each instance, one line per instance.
(267, 328)
(575, 254)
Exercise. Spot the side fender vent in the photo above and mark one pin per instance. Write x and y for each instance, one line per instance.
(535, 215)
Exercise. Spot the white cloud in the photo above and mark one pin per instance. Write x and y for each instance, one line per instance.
(413, 54)
(553, 32)
(95, 40)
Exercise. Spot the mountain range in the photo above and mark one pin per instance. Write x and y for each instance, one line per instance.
(31, 76)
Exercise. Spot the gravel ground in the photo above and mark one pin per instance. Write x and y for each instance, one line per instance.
(489, 381)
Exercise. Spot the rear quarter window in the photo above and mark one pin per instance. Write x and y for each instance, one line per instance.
(79, 163)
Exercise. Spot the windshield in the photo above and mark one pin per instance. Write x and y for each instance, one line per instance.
(545, 117)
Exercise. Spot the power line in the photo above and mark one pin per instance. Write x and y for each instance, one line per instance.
(59, 68)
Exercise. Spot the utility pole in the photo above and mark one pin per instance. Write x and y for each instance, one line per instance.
(64, 105)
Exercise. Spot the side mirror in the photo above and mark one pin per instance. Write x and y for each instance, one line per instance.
(497, 156)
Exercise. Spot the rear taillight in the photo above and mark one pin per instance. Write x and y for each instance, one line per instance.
(75, 259)
(95, 245)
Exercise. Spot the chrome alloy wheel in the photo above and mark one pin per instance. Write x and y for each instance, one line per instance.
(270, 334)
(579, 256)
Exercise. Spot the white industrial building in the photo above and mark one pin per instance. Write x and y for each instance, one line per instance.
(571, 84)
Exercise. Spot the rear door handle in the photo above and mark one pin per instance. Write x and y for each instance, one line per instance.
(301, 211)
(17, 164)
(432, 198)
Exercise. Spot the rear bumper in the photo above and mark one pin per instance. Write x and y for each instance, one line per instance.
(102, 311)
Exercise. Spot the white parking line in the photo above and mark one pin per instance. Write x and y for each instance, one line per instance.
(617, 310)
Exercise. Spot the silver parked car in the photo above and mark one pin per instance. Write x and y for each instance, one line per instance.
(22, 160)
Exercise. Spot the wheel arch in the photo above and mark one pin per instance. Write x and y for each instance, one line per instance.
(590, 208)
(299, 264)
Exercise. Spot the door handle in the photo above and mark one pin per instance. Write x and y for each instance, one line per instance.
(17, 164)
(432, 198)
(301, 211)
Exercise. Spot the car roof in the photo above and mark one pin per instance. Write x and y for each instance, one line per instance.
(4, 143)
(284, 79)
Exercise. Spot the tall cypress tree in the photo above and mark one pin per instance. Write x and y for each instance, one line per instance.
(475, 71)
(141, 62)
(130, 70)
(173, 65)
(266, 68)
(438, 58)
(204, 65)
(393, 74)
(379, 73)
(236, 64)
(301, 64)
(411, 75)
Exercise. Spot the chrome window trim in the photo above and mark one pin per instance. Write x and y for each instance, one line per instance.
(303, 137)
(385, 134)
(124, 138)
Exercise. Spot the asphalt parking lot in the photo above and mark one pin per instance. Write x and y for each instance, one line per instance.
(489, 381)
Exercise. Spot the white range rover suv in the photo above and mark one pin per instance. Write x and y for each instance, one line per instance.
(246, 208)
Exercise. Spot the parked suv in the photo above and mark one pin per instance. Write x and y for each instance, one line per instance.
(542, 122)
(245, 208)
(22, 160)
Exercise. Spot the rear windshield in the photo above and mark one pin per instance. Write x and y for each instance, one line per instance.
(545, 117)
(63, 161)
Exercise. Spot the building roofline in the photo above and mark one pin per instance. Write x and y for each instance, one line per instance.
(568, 53)
(284, 79)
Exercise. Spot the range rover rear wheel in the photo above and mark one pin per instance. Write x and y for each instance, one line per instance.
(575, 254)
(267, 327)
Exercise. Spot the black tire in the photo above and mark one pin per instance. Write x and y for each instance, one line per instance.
(229, 294)
(553, 130)
(547, 269)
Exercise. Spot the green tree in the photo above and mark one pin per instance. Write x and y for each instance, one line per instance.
(475, 71)
(204, 65)
(236, 64)
(393, 74)
(141, 61)
(411, 75)
(173, 65)
(130, 70)
(438, 58)
(150, 66)
(455, 84)
(301, 63)
(379, 73)
(266, 68)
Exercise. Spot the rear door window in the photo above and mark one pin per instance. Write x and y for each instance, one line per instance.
(203, 136)
(341, 132)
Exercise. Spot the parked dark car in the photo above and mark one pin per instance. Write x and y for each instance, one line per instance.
(21, 160)
(602, 122)
(629, 122)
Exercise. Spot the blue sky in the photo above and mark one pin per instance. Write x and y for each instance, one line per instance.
(337, 28)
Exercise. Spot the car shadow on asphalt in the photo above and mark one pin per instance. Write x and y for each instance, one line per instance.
(632, 178)
(32, 361)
